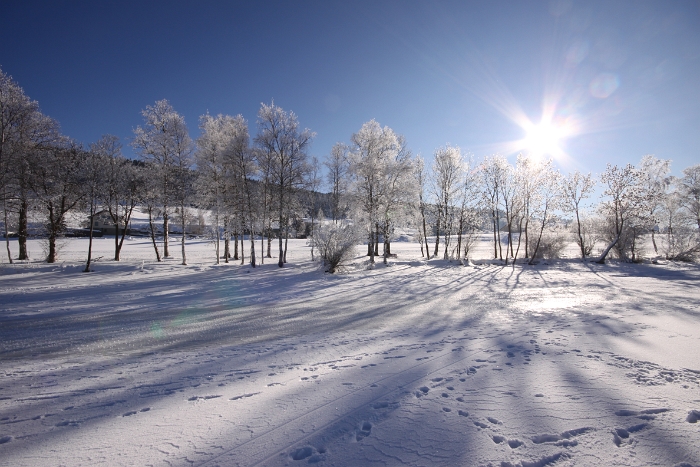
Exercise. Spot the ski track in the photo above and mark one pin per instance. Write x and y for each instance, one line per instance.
(559, 365)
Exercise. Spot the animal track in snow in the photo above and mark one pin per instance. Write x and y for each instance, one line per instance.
(693, 416)
(242, 396)
(364, 431)
(542, 462)
(549, 438)
(206, 398)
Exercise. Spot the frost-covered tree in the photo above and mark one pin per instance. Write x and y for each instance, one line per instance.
(165, 144)
(447, 177)
(57, 184)
(468, 209)
(280, 138)
(626, 203)
(421, 176)
(577, 187)
(377, 159)
(689, 191)
(657, 183)
(225, 165)
(121, 189)
(493, 170)
(546, 200)
(337, 165)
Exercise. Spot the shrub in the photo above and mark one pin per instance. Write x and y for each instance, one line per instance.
(335, 243)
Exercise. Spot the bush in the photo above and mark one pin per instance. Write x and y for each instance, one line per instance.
(551, 245)
(683, 244)
(335, 243)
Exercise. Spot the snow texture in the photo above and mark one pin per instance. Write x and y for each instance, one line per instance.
(415, 363)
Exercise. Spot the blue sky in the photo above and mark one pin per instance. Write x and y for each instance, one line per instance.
(623, 78)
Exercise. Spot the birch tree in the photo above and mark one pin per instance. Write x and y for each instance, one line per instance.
(625, 201)
(280, 137)
(577, 187)
(164, 142)
(448, 174)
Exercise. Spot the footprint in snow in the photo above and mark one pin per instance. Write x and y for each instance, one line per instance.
(463, 413)
(693, 416)
(566, 435)
(242, 396)
(5, 439)
(364, 431)
(494, 421)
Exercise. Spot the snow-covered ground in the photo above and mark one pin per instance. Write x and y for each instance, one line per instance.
(415, 363)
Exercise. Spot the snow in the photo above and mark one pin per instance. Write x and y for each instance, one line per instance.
(414, 363)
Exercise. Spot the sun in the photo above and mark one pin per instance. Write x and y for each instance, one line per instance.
(544, 139)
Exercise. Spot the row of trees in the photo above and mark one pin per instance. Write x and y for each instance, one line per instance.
(258, 188)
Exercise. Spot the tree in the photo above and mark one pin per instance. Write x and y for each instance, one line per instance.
(57, 184)
(16, 112)
(280, 137)
(164, 142)
(225, 165)
(121, 188)
(547, 200)
(421, 176)
(657, 182)
(493, 172)
(337, 165)
(627, 202)
(92, 178)
(689, 190)
(468, 217)
(373, 150)
(448, 173)
(575, 188)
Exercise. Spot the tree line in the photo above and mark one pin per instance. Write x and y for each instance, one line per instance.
(256, 188)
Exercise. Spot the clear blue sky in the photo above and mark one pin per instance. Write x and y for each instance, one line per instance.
(624, 75)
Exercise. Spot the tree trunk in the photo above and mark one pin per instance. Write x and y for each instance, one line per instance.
(7, 231)
(166, 252)
(280, 261)
(252, 245)
(580, 236)
(153, 232)
(235, 246)
(242, 239)
(92, 226)
(437, 236)
(22, 230)
(269, 240)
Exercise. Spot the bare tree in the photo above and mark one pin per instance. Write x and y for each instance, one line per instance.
(657, 182)
(493, 171)
(373, 150)
(121, 187)
(626, 201)
(575, 188)
(164, 142)
(421, 176)
(280, 137)
(689, 190)
(547, 200)
(337, 165)
(57, 184)
(448, 173)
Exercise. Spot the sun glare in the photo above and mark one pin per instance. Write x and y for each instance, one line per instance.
(545, 139)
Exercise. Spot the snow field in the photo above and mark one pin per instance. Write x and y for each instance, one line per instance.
(415, 363)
